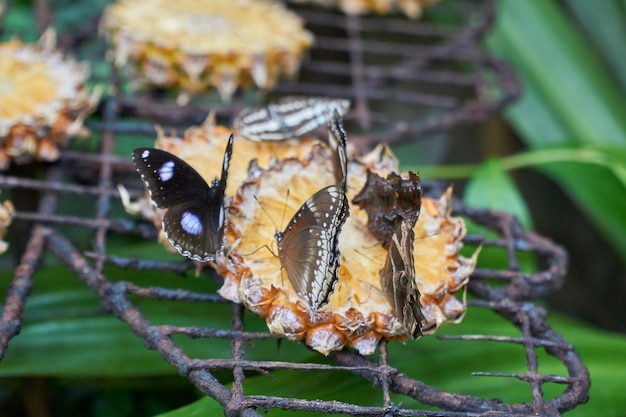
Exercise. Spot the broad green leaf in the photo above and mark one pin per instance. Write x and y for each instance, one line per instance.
(492, 188)
(556, 60)
(609, 37)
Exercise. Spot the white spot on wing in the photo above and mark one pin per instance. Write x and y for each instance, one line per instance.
(166, 172)
(145, 154)
(191, 223)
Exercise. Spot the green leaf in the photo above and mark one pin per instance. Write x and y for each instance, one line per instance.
(556, 62)
(609, 37)
(492, 188)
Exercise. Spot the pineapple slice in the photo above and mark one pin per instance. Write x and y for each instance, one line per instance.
(411, 8)
(195, 45)
(44, 101)
(358, 313)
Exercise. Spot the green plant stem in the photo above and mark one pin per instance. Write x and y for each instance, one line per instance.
(517, 161)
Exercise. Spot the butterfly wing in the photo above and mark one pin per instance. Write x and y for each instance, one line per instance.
(288, 118)
(337, 140)
(308, 248)
(195, 216)
(195, 229)
(169, 179)
(397, 278)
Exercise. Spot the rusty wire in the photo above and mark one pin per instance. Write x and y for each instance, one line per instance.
(507, 292)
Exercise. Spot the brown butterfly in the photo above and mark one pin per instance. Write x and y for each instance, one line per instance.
(397, 279)
(389, 201)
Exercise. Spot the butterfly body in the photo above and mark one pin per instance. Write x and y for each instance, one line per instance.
(195, 216)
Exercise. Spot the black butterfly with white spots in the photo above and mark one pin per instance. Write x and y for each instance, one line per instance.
(196, 215)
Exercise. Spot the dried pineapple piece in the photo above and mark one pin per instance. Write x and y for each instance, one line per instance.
(44, 101)
(411, 8)
(195, 45)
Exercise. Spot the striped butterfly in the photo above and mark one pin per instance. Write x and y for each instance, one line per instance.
(290, 117)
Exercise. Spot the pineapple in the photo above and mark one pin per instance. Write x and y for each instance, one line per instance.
(197, 45)
(44, 100)
(358, 313)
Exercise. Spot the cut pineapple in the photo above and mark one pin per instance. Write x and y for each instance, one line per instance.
(195, 45)
(44, 101)
(358, 313)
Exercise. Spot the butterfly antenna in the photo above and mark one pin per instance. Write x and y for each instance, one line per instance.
(266, 213)
(275, 227)
(366, 257)
(282, 220)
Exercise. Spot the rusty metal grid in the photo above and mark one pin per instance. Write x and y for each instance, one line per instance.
(508, 292)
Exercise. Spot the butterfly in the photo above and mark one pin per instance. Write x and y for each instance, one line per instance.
(290, 117)
(337, 141)
(397, 279)
(308, 247)
(388, 201)
(195, 216)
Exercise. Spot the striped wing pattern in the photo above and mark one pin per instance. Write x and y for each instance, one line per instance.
(308, 248)
(289, 118)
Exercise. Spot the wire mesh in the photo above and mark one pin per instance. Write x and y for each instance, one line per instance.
(434, 78)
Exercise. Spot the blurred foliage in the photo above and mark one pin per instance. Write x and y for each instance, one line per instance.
(571, 113)
(571, 121)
